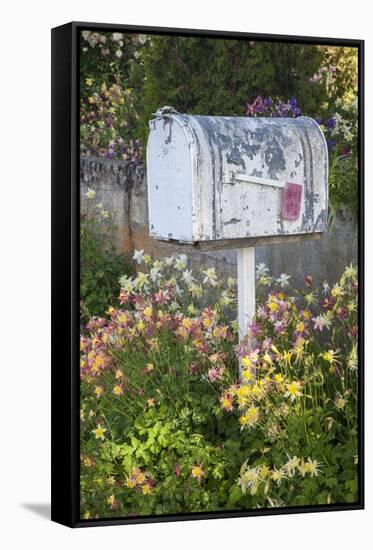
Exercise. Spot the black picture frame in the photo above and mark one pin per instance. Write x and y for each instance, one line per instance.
(65, 272)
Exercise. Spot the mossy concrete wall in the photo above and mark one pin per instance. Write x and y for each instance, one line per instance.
(122, 189)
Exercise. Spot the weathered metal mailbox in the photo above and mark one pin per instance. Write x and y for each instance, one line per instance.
(235, 182)
(215, 178)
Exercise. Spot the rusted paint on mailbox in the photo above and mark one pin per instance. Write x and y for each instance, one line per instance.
(223, 179)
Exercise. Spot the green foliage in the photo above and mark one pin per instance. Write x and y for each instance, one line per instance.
(218, 76)
(100, 263)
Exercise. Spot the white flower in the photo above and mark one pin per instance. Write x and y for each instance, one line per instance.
(141, 280)
(105, 214)
(138, 256)
(261, 270)
(85, 34)
(312, 467)
(169, 260)
(291, 465)
(210, 276)
(225, 299)
(116, 36)
(283, 280)
(181, 262)
(187, 278)
(155, 273)
(126, 283)
(119, 53)
(90, 194)
(325, 287)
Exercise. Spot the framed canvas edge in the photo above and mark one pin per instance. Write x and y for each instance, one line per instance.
(65, 471)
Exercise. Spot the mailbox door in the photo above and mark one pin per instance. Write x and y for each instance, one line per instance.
(169, 168)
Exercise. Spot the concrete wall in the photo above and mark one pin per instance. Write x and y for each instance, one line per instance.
(121, 187)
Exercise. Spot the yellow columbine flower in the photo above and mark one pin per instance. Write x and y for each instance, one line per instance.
(287, 356)
(151, 402)
(264, 471)
(197, 472)
(246, 362)
(130, 483)
(99, 432)
(118, 374)
(110, 500)
(247, 375)
(99, 390)
(146, 489)
(187, 323)
(122, 318)
(140, 478)
(140, 326)
(250, 418)
(118, 390)
(273, 306)
(329, 356)
(279, 378)
(207, 322)
(148, 311)
(149, 366)
(300, 327)
(293, 390)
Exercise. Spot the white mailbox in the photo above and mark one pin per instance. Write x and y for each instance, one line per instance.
(216, 179)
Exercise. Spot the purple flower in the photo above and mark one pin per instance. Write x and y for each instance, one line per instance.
(330, 123)
(318, 120)
(267, 102)
(253, 329)
(293, 103)
(297, 112)
(331, 143)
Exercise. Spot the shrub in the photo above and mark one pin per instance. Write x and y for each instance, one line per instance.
(100, 262)
(168, 422)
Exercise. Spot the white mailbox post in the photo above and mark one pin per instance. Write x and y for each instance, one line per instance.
(218, 182)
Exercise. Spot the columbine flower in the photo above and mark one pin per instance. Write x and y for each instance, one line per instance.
(337, 291)
(291, 465)
(187, 278)
(90, 194)
(181, 262)
(118, 390)
(99, 390)
(312, 467)
(250, 418)
(278, 475)
(126, 283)
(283, 280)
(155, 273)
(330, 356)
(210, 276)
(310, 298)
(197, 472)
(352, 362)
(226, 401)
(325, 287)
(293, 390)
(261, 270)
(138, 256)
(99, 432)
